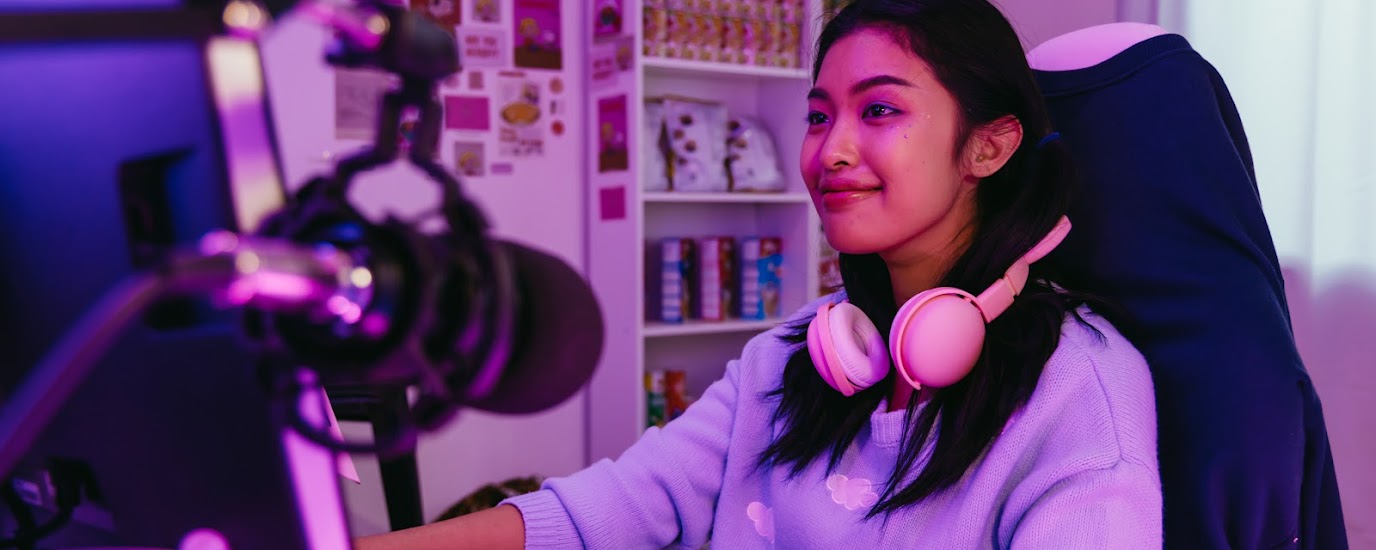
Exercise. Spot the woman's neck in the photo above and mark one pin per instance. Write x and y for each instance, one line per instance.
(903, 393)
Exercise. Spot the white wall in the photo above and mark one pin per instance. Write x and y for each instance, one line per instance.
(1037, 21)
(476, 448)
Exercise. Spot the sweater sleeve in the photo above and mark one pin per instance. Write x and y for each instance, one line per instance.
(663, 489)
(1113, 507)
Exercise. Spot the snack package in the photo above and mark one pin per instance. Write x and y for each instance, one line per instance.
(751, 31)
(717, 278)
(709, 36)
(696, 133)
(675, 394)
(761, 277)
(655, 171)
(751, 160)
(656, 408)
(768, 33)
(732, 40)
(786, 54)
(681, 25)
(656, 21)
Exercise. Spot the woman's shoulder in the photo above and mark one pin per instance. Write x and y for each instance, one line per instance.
(1092, 345)
(1102, 388)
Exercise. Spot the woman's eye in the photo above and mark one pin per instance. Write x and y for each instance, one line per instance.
(814, 118)
(878, 110)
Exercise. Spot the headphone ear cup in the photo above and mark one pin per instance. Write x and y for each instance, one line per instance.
(818, 338)
(859, 346)
(937, 337)
(846, 348)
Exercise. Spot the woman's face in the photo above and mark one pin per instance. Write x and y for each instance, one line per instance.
(879, 158)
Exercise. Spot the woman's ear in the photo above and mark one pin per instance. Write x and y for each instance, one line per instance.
(992, 145)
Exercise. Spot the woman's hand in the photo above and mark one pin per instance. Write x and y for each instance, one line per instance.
(499, 528)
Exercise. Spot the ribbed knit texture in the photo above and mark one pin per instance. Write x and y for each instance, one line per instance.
(1075, 468)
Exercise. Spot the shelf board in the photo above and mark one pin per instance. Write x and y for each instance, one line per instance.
(675, 196)
(666, 66)
(688, 328)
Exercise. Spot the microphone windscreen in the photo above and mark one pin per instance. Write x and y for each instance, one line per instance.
(558, 335)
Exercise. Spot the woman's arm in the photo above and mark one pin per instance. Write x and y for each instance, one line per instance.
(663, 489)
(1114, 507)
(497, 528)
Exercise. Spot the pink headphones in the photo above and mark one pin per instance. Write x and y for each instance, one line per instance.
(936, 337)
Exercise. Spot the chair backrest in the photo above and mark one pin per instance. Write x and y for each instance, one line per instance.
(1169, 226)
(1090, 46)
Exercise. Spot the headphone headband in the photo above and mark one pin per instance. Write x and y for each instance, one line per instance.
(1049, 242)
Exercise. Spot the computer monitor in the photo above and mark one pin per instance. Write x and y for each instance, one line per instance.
(112, 151)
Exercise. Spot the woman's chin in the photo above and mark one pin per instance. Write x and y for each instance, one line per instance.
(854, 245)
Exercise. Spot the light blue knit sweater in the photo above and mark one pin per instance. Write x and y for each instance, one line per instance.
(1075, 468)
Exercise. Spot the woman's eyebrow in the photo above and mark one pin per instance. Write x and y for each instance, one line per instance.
(871, 82)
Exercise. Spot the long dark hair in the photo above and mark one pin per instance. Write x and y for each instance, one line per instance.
(977, 56)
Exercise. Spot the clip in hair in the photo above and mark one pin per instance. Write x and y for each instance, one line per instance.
(1053, 136)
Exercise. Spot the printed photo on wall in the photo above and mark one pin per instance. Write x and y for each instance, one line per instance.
(468, 158)
(487, 11)
(356, 96)
(537, 42)
(606, 17)
(444, 12)
(520, 128)
(611, 130)
(466, 113)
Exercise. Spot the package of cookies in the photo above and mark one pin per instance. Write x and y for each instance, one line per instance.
(791, 11)
(732, 40)
(750, 41)
(696, 134)
(654, 169)
(681, 25)
(769, 35)
(709, 36)
(656, 22)
(786, 51)
(751, 160)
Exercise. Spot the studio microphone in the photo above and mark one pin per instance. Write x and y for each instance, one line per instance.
(459, 318)
(464, 319)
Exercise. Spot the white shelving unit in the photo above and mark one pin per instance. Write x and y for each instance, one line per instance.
(617, 248)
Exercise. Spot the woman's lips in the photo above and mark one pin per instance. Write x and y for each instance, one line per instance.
(833, 200)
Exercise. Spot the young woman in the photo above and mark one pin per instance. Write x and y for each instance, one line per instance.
(931, 162)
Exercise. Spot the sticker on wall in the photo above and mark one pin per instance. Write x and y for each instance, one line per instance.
(612, 203)
(466, 113)
(624, 53)
(482, 48)
(487, 11)
(602, 71)
(444, 12)
(521, 131)
(556, 85)
(356, 95)
(468, 158)
(502, 168)
(606, 17)
(537, 34)
(475, 80)
(611, 131)
(557, 128)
